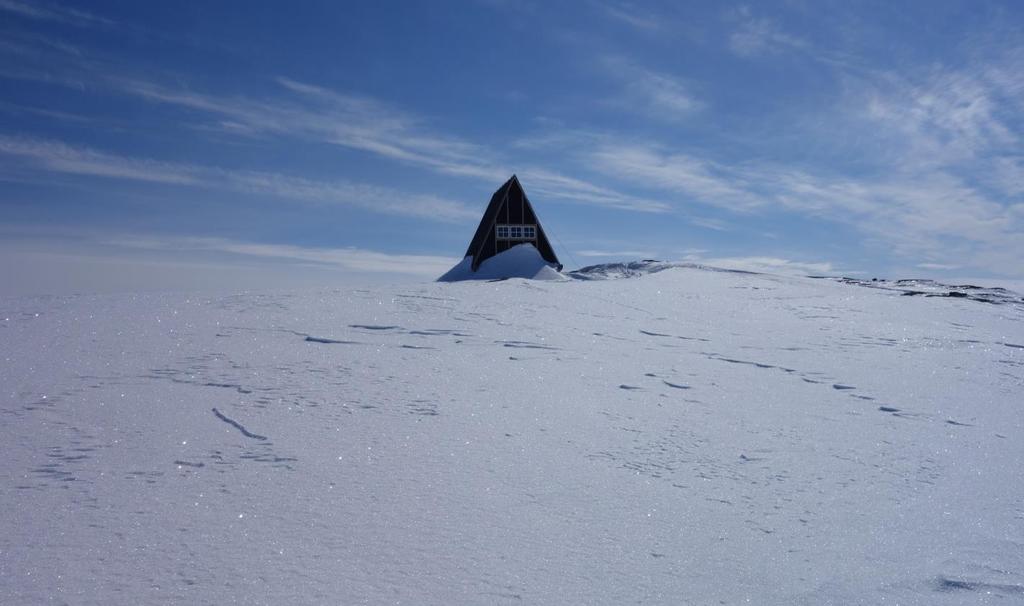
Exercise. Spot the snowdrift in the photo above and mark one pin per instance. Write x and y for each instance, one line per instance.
(522, 261)
(689, 437)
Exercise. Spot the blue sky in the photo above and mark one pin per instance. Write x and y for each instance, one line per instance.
(244, 145)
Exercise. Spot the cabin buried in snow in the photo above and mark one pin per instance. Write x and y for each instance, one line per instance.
(509, 242)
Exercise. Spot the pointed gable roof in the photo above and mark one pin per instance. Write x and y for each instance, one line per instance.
(509, 205)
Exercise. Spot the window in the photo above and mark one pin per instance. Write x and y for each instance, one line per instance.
(516, 232)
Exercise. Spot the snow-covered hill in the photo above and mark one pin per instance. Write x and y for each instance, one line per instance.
(686, 437)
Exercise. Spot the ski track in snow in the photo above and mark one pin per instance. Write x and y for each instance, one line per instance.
(690, 436)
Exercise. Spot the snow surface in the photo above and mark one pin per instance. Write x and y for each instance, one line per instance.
(687, 437)
(521, 261)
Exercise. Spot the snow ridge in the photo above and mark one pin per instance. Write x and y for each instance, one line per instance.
(636, 269)
(931, 288)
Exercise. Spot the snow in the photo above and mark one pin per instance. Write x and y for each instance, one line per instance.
(521, 261)
(636, 269)
(686, 436)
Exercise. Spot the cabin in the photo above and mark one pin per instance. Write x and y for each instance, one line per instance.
(509, 221)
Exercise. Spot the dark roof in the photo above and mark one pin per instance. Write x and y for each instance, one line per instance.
(508, 205)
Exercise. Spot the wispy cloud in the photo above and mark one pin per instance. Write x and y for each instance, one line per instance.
(939, 218)
(35, 58)
(754, 36)
(664, 93)
(947, 165)
(658, 95)
(53, 12)
(698, 180)
(368, 197)
(620, 254)
(555, 185)
(308, 112)
(320, 114)
(351, 259)
(939, 180)
(1007, 176)
(58, 157)
(938, 266)
(632, 15)
(55, 156)
(945, 116)
(16, 109)
(935, 215)
(316, 113)
(709, 223)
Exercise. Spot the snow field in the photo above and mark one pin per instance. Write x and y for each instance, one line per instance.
(689, 436)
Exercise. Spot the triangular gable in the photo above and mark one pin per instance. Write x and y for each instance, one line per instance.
(509, 206)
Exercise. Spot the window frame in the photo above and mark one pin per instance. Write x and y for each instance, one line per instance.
(516, 232)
